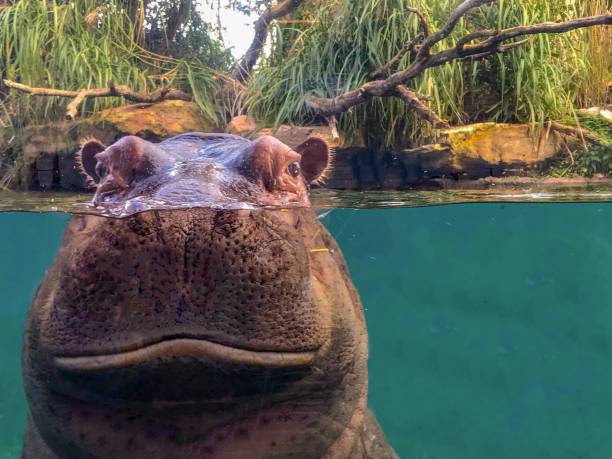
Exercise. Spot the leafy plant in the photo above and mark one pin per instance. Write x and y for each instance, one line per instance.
(592, 157)
(348, 39)
(84, 44)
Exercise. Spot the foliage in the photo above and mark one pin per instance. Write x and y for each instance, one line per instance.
(190, 36)
(595, 160)
(350, 38)
(591, 158)
(84, 44)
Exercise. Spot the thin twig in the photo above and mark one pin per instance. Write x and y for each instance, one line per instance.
(295, 21)
(422, 21)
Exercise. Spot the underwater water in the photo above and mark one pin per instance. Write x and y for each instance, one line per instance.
(490, 324)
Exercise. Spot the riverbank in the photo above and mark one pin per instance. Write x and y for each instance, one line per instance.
(472, 157)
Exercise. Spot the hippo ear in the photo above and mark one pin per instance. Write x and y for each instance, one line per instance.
(315, 158)
(86, 158)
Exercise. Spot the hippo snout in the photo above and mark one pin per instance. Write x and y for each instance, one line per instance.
(225, 277)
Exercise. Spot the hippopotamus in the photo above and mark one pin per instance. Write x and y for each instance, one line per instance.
(212, 316)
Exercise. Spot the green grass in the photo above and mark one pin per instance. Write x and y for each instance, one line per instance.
(350, 38)
(80, 44)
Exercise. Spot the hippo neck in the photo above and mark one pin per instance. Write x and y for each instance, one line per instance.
(331, 426)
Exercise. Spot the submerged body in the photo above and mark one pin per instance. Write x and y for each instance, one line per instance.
(200, 332)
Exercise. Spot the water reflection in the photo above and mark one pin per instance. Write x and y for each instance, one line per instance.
(321, 199)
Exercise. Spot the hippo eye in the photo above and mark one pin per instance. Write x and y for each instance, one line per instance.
(101, 170)
(294, 168)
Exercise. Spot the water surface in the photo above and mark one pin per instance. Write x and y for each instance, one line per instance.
(490, 324)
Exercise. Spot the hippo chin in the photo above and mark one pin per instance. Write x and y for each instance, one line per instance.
(217, 319)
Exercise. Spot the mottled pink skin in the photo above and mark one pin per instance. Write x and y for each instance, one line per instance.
(200, 332)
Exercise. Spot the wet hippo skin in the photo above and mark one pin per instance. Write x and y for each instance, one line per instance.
(226, 330)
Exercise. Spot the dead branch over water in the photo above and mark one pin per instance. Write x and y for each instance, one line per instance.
(112, 91)
(476, 45)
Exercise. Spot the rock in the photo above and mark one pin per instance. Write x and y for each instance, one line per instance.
(477, 151)
(365, 169)
(242, 125)
(602, 112)
(493, 143)
(45, 171)
(150, 121)
(465, 153)
(50, 138)
(160, 120)
(510, 184)
(295, 135)
(291, 135)
(70, 176)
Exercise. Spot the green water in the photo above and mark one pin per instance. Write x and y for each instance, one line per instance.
(490, 324)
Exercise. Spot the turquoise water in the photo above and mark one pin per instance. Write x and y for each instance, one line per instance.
(490, 324)
(28, 243)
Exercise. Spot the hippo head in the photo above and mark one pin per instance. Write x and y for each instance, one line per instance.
(224, 329)
(213, 170)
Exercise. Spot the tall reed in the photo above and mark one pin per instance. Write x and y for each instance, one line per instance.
(84, 44)
(594, 89)
(350, 38)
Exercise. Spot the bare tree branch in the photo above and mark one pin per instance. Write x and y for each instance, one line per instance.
(422, 21)
(450, 25)
(412, 101)
(112, 91)
(246, 64)
(491, 42)
(384, 70)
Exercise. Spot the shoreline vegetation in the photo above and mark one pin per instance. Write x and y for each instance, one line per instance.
(384, 80)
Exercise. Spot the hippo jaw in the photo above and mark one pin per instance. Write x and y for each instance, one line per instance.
(218, 287)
